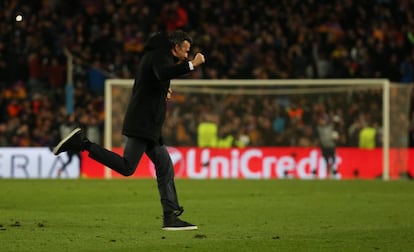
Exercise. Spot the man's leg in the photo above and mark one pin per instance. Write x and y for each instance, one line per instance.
(126, 165)
(165, 179)
(333, 162)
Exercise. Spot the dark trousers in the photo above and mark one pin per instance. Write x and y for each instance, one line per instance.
(329, 155)
(127, 164)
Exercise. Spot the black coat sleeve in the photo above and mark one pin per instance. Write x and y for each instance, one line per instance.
(165, 68)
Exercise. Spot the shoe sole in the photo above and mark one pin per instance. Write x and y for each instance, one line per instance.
(180, 228)
(57, 148)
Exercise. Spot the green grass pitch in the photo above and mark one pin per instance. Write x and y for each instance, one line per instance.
(232, 215)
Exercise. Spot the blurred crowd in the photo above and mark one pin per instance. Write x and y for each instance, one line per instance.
(241, 40)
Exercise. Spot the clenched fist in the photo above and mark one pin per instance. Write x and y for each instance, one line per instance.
(198, 59)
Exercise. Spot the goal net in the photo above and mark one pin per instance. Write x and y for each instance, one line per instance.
(281, 113)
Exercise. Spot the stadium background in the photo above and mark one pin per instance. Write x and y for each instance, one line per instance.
(290, 39)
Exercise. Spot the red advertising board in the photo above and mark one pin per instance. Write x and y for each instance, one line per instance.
(266, 163)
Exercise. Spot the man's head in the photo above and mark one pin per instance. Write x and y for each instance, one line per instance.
(180, 44)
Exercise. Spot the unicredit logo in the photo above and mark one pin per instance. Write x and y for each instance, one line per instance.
(253, 163)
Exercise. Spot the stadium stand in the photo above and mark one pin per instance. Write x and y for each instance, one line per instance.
(267, 39)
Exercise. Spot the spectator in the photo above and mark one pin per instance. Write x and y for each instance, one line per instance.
(327, 137)
(407, 70)
(96, 78)
(368, 136)
(207, 131)
(4, 141)
(174, 16)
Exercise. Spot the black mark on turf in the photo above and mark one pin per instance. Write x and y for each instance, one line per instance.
(15, 224)
(200, 236)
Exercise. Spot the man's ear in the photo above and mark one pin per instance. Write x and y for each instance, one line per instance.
(175, 49)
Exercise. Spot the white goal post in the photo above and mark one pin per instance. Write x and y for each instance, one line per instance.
(384, 84)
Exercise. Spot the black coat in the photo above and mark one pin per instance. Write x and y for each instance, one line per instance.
(146, 111)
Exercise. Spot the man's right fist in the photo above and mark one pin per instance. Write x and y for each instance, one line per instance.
(198, 59)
